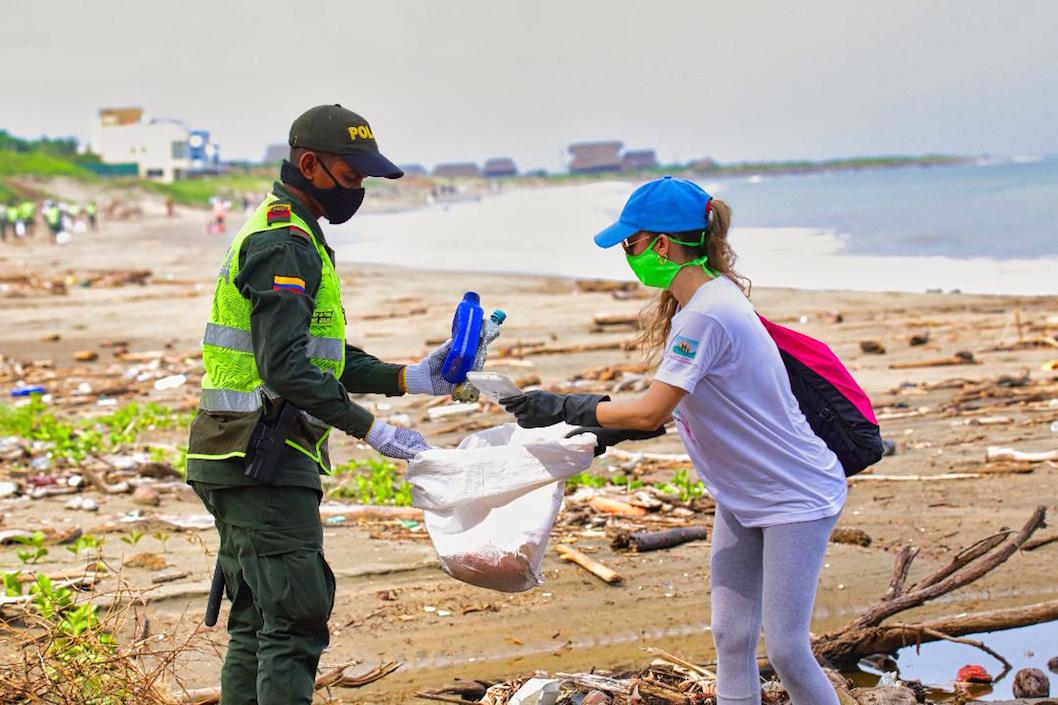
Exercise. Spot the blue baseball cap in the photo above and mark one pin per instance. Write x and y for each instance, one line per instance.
(665, 205)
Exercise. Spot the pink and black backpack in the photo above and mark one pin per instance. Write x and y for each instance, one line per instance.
(836, 407)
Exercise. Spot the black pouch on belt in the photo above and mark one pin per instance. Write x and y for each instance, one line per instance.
(268, 440)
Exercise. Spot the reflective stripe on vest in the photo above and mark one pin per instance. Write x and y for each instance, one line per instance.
(240, 340)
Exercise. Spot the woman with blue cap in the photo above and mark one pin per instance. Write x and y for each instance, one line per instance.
(779, 490)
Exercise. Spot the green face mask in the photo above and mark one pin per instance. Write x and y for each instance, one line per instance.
(652, 270)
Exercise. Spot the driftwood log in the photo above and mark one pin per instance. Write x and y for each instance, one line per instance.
(643, 541)
(868, 635)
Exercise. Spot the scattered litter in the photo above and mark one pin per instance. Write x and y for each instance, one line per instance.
(963, 357)
(537, 691)
(973, 673)
(1031, 683)
(170, 382)
(872, 347)
(998, 453)
(86, 504)
(850, 535)
(461, 409)
(168, 576)
(27, 390)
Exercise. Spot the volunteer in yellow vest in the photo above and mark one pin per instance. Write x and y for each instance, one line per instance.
(275, 343)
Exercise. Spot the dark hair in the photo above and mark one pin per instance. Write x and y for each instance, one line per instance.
(657, 316)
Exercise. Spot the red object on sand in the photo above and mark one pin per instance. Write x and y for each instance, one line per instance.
(973, 673)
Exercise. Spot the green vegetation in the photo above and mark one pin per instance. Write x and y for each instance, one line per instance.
(133, 538)
(162, 537)
(585, 479)
(73, 441)
(684, 485)
(40, 158)
(78, 636)
(374, 481)
(12, 584)
(84, 543)
(36, 549)
(197, 192)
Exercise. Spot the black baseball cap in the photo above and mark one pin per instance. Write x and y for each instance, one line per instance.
(338, 130)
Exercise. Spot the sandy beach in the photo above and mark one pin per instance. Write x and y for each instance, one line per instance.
(943, 418)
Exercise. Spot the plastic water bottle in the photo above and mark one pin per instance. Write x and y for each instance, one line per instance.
(466, 391)
(466, 338)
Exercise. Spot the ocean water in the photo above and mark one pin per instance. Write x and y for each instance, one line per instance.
(984, 228)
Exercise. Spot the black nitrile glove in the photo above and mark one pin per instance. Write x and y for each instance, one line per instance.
(606, 437)
(538, 409)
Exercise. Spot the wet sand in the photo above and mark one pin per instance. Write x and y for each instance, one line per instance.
(387, 577)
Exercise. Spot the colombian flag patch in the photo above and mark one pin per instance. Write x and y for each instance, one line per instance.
(294, 284)
(278, 213)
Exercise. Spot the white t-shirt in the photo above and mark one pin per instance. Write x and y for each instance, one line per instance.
(740, 421)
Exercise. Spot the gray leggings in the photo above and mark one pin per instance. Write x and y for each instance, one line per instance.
(767, 575)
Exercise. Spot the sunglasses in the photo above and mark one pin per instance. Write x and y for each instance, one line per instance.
(629, 244)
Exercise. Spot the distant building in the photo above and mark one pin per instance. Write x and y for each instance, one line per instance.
(413, 169)
(457, 170)
(160, 149)
(593, 157)
(500, 166)
(639, 159)
(275, 153)
(203, 153)
(703, 164)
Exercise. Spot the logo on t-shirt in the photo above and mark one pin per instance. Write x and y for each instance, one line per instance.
(685, 348)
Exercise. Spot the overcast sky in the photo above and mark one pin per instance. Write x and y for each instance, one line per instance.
(456, 80)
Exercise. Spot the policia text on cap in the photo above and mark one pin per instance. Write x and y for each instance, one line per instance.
(278, 371)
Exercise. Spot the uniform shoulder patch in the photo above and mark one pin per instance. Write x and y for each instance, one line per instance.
(685, 348)
(278, 213)
(284, 283)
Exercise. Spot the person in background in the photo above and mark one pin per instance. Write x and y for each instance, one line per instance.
(53, 218)
(3, 222)
(90, 210)
(28, 216)
(779, 489)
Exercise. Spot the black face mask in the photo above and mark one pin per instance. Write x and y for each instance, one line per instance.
(339, 203)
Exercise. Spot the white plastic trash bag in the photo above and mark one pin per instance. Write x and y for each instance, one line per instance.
(489, 504)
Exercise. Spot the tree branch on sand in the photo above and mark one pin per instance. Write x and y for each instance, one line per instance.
(868, 635)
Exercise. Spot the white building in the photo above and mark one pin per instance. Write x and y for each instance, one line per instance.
(159, 148)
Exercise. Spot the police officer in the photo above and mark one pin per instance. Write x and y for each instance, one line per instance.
(276, 336)
(90, 210)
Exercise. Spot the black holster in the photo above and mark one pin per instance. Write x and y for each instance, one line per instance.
(268, 440)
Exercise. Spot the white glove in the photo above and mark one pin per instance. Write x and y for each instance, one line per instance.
(396, 441)
(425, 377)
